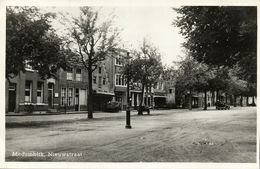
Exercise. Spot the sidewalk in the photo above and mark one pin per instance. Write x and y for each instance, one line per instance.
(36, 120)
(57, 117)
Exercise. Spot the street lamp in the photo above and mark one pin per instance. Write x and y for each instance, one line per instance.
(128, 125)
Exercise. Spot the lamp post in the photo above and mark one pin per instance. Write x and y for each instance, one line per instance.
(128, 125)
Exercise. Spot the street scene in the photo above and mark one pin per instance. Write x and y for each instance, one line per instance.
(131, 84)
(164, 136)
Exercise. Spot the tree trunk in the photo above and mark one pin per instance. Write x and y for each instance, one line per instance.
(253, 100)
(205, 100)
(150, 91)
(235, 101)
(226, 98)
(141, 101)
(247, 100)
(218, 95)
(213, 98)
(146, 94)
(90, 94)
(241, 101)
(190, 101)
(231, 99)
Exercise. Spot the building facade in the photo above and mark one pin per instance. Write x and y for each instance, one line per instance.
(72, 88)
(28, 92)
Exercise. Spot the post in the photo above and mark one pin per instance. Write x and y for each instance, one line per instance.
(205, 100)
(128, 125)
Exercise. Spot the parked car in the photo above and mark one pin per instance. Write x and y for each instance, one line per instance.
(222, 106)
(113, 106)
(144, 109)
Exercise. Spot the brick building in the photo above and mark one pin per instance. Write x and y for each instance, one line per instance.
(72, 88)
(28, 92)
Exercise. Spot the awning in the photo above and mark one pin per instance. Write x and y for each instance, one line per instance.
(136, 91)
(104, 93)
(159, 96)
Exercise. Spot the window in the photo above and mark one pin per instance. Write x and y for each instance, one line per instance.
(69, 74)
(104, 81)
(99, 70)
(170, 90)
(40, 92)
(120, 80)
(99, 81)
(28, 91)
(70, 91)
(63, 96)
(119, 61)
(78, 75)
(94, 79)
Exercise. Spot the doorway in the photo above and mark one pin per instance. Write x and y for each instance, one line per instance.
(50, 95)
(12, 97)
(77, 99)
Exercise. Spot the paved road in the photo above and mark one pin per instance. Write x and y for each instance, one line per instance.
(164, 136)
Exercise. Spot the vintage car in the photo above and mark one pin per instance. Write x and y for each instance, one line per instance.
(113, 106)
(222, 106)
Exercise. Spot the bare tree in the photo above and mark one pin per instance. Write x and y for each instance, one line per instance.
(93, 41)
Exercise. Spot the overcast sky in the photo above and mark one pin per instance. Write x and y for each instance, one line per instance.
(137, 23)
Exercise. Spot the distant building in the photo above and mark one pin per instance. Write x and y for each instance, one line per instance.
(102, 82)
(119, 80)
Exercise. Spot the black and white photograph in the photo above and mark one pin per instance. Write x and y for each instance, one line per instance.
(163, 84)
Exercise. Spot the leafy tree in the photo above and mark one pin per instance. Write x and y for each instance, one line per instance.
(219, 82)
(235, 86)
(145, 68)
(30, 40)
(93, 41)
(192, 76)
(221, 36)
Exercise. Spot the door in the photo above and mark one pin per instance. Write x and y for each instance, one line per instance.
(50, 95)
(77, 99)
(12, 97)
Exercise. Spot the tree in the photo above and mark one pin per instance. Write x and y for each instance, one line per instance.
(145, 68)
(236, 86)
(192, 76)
(204, 75)
(30, 40)
(221, 36)
(219, 82)
(92, 42)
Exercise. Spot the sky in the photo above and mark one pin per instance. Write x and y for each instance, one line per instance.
(136, 23)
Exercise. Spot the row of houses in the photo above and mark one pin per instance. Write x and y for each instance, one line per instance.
(69, 90)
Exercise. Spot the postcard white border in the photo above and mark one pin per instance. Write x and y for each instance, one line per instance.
(169, 3)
